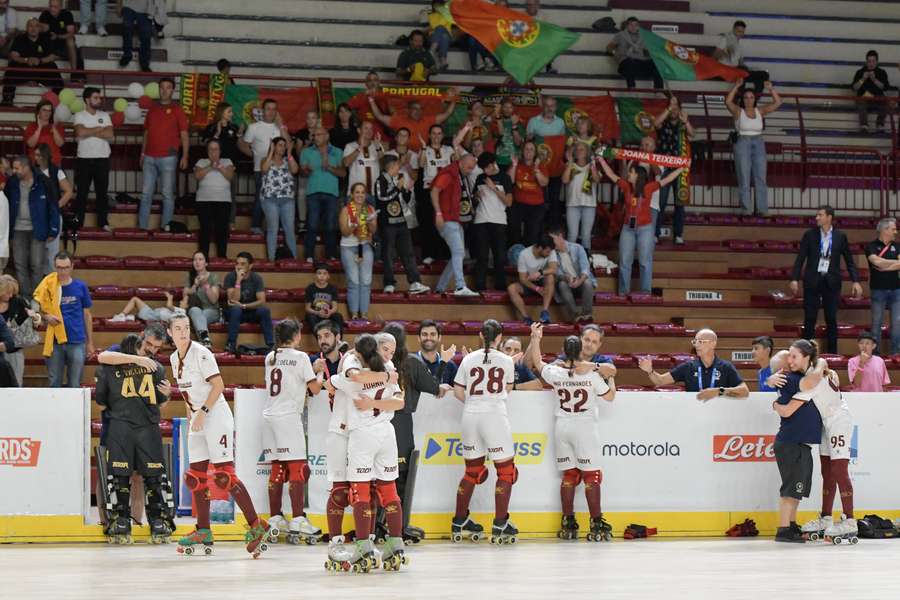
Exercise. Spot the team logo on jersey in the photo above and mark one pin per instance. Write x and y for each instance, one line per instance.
(518, 33)
(685, 55)
(19, 452)
(394, 209)
(447, 448)
(743, 448)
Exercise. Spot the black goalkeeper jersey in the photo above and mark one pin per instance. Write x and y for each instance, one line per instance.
(129, 393)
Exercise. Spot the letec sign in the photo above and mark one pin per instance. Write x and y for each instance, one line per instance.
(19, 452)
(743, 448)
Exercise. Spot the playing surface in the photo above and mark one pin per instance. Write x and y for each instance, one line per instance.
(656, 568)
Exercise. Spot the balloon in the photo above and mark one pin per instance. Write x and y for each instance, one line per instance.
(145, 102)
(76, 105)
(133, 113)
(51, 97)
(66, 96)
(120, 105)
(118, 119)
(152, 90)
(62, 113)
(135, 90)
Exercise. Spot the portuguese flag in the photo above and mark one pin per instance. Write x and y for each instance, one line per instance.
(678, 63)
(293, 104)
(601, 110)
(636, 117)
(521, 44)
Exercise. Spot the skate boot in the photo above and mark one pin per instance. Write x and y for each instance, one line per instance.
(815, 529)
(393, 555)
(504, 532)
(339, 555)
(278, 526)
(790, 535)
(568, 529)
(301, 530)
(843, 531)
(199, 541)
(413, 535)
(601, 531)
(119, 530)
(256, 538)
(467, 528)
(160, 532)
(362, 558)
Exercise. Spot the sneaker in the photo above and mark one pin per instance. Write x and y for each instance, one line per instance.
(465, 292)
(107, 228)
(527, 320)
(119, 318)
(230, 349)
(679, 241)
(130, 317)
(101, 31)
(83, 30)
(124, 61)
(388, 289)
(256, 230)
(418, 287)
(427, 260)
(309, 259)
(545, 317)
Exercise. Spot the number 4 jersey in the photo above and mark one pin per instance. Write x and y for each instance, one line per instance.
(577, 394)
(486, 382)
(288, 372)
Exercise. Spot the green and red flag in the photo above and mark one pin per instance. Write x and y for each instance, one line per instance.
(523, 45)
(293, 104)
(552, 152)
(679, 63)
(636, 117)
(601, 110)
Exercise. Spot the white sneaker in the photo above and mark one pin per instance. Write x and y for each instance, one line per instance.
(418, 288)
(83, 30)
(427, 260)
(119, 318)
(465, 292)
(388, 289)
(101, 31)
(679, 241)
(130, 317)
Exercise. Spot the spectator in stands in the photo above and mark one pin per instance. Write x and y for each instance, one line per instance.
(821, 249)
(86, 14)
(44, 131)
(524, 378)
(59, 25)
(867, 371)
(279, 169)
(136, 14)
(581, 178)
(165, 130)
(214, 174)
(884, 284)
(762, 348)
(409, 158)
(573, 277)
(93, 132)
(494, 191)
(322, 299)
(302, 139)
(538, 267)
(528, 211)
(16, 310)
(438, 362)
(33, 221)
(321, 163)
(358, 224)
(225, 132)
(446, 196)
(707, 374)
(65, 304)
(32, 52)
(223, 66)
(59, 190)
(673, 133)
(8, 27)
(591, 341)
(393, 201)
(200, 297)
(648, 144)
(345, 128)
(729, 52)
(508, 132)
(478, 126)
(584, 133)
(631, 55)
(359, 104)
(750, 147)
(416, 63)
(362, 158)
(439, 36)
(433, 156)
(255, 143)
(136, 307)
(870, 82)
(414, 119)
(541, 126)
(246, 296)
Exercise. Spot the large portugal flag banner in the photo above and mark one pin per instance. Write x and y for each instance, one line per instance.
(293, 104)
(677, 63)
(521, 44)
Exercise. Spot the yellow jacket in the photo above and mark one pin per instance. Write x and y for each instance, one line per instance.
(48, 295)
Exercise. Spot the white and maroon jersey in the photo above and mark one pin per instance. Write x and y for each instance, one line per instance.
(827, 396)
(435, 160)
(340, 407)
(366, 166)
(357, 419)
(193, 372)
(286, 381)
(577, 394)
(486, 382)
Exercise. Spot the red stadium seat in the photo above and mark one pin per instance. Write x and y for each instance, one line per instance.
(495, 297)
(745, 245)
(111, 292)
(427, 298)
(278, 295)
(637, 298)
(131, 233)
(382, 298)
(724, 219)
(94, 233)
(631, 328)
(558, 329)
(149, 292)
(102, 262)
(168, 236)
(358, 326)
(513, 328)
(291, 265)
(667, 329)
(851, 302)
(140, 262)
(109, 325)
(601, 298)
(472, 327)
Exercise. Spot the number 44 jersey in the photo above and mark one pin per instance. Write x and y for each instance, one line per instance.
(486, 381)
(288, 372)
(577, 394)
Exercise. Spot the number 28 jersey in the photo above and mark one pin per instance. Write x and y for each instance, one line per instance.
(486, 383)
(577, 394)
(286, 382)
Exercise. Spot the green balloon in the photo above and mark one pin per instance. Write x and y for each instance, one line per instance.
(152, 90)
(66, 96)
(120, 104)
(76, 105)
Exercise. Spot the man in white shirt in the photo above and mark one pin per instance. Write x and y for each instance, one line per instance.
(537, 267)
(255, 143)
(93, 131)
(363, 158)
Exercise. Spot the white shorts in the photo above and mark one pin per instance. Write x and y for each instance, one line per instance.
(577, 444)
(836, 435)
(486, 434)
(372, 453)
(215, 441)
(336, 456)
(283, 438)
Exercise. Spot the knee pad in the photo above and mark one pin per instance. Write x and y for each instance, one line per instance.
(224, 476)
(360, 492)
(195, 480)
(507, 472)
(592, 478)
(298, 470)
(571, 478)
(277, 476)
(476, 472)
(387, 493)
(339, 497)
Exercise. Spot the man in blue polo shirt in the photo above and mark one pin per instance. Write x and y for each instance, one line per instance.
(430, 336)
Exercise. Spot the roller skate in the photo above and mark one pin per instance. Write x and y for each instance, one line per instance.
(119, 530)
(256, 538)
(504, 532)
(413, 535)
(465, 529)
(339, 555)
(358, 557)
(843, 531)
(393, 555)
(301, 530)
(278, 526)
(568, 529)
(160, 531)
(790, 534)
(815, 529)
(199, 541)
(601, 531)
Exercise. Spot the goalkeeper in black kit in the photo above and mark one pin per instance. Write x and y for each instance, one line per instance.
(132, 396)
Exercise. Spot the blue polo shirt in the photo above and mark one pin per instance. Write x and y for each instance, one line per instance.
(540, 128)
(763, 375)
(696, 376)
(523, 374)
(321, 181)
(805, 425)
(449, 370)
(75, 298)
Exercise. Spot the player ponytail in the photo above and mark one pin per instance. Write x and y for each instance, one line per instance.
(366, 347)
(490, 330)
(285, 332)
(400, 352)
(572, 351)
(809, 349)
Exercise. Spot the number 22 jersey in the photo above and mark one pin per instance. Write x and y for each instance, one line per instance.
(486, 383)
(577, 393)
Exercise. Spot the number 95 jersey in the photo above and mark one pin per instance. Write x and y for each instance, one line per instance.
(486, 382)
(577, 394)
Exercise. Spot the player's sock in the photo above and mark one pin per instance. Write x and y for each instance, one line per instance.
(503, 490)
(373, 507)
(463, 497)
(841, 473)
(362, 507)
(201, 499)
(242, 499)
(338, 500)
(829, 486)
(276, 488)
(567, 498)
(393, 512)
(592, 495)
(296, 492)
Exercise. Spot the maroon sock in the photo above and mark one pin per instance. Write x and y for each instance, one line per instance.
(567, 497)
(242, 499)
(503, 489)
(592, 495)
(201, 497)
(296, 491)
(393, 514)
(338, 500)
(840, 471)
(829, 486)
(373, 508)
(276, 491)
(463, 497)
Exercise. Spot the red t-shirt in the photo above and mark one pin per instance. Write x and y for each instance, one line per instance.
(638, 207)
(163, 127)
(46, 137)
(416, 128)
(448, 181)
(527, 190)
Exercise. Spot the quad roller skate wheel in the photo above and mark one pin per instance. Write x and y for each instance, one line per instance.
(207, 551)
(311, 540)
(272, 538)
(854, 540)
(475, 537)
(814, 536)
(293, 539)
(496, 540)
(456, 538)
(187, 551)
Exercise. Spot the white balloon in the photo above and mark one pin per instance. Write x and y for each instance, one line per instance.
(133, 113)
(62, 113)
(135, 90)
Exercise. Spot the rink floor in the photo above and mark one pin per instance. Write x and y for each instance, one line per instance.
(655, 568)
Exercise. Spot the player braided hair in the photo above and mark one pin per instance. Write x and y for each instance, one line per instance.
(366, 347)
(808, 348)
(285, 332)
(572, 351)
(400, 352)
(490, 329)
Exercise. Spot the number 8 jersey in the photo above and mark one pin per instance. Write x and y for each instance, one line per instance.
(286, 382)
(577, 394)
(486, 383)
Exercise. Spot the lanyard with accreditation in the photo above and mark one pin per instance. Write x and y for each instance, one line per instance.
(825, 251)
(713, 381)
